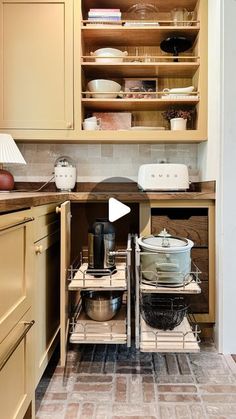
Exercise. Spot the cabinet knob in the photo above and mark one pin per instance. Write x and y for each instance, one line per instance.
(58, 210)
(69, 125)
(38, 249)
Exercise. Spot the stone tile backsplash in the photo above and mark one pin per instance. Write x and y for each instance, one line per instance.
(96, 162)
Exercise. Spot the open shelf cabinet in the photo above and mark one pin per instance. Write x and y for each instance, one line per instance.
(54, 108)
(145, 59)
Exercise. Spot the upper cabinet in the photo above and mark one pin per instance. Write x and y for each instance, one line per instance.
(36, 75)
(49, 57)
(163, 46)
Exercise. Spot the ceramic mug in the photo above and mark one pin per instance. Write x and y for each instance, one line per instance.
(92, 124)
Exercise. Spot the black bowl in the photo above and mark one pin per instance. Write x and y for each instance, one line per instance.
(163, 313)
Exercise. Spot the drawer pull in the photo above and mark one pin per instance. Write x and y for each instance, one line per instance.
(19, 223)
(8, 355)
(58, 210)
(39, 249)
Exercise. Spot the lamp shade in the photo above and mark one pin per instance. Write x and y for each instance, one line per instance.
(9, 152)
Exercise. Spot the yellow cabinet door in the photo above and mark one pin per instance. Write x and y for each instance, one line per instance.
(16, 370)
(36, 64)
(65, 212)
(46, 300)
(16, 257)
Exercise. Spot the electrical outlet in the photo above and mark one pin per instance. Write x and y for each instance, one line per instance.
(162, 161)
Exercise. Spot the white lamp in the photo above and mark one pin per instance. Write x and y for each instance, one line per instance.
(9, 153)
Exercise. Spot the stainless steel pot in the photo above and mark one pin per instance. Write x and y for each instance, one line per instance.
(165, 259)
(101, 306)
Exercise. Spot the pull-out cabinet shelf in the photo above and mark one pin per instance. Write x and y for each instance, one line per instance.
(84, 330)
(117, 330)
(183, 338)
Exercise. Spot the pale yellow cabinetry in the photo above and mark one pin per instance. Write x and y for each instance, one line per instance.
(16, 370)
(46, 285)
(36, 68)
(16, 250)
(16, 317)
(46, 64)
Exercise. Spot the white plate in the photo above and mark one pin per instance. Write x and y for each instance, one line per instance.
(143, 128)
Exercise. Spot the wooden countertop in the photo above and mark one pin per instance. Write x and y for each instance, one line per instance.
(19, 200)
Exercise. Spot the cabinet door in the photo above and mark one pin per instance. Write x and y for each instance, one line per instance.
(65, 263)
(46, 300)
(36, 65)
(16, 370)
(16, 256)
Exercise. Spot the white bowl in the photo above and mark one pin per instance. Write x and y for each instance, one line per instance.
(108, 55)
(100, 85)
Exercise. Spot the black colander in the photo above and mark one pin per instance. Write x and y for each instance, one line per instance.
(163, 313)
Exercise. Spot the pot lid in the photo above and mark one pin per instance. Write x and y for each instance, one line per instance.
(165, 242)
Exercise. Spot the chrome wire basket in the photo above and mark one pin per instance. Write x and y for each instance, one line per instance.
(161, 312)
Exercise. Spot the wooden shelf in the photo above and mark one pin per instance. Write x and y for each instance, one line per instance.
(134, 137)
(100, 36)
(135, 104)
(191, 288)
(82, 280)
(181, 339)
(90, 331)
(164, 6)
(179, 70)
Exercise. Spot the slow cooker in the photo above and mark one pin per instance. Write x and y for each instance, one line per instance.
(165, 259)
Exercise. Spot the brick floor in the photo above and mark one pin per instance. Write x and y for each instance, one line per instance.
(113, 382)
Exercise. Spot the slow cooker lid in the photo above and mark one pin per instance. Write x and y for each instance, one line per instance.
(157, 241)
(163, 241)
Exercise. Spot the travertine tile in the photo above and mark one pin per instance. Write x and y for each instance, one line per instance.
(107, 150)
(100, 161)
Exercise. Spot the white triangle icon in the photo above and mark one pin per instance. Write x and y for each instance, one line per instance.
(117, 209)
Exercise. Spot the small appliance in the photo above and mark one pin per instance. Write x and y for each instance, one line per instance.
(65, 173)
(101, 241)
(163, 177)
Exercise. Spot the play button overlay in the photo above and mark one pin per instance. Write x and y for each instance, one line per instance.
(117, 209)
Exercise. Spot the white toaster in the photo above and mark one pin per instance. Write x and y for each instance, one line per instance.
(163, 177)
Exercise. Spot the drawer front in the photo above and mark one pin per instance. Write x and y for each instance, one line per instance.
(191, 223)
(16, 379)
(47, 221)
(16, 251)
